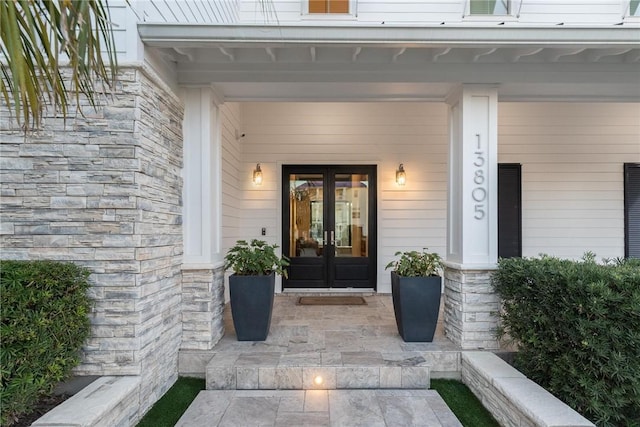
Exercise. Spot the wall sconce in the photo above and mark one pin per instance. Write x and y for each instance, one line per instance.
(257, 175)
(401, 176)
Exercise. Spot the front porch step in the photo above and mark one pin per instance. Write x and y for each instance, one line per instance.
(327, 370)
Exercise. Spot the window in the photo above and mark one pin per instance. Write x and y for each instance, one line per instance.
(632, 210)
(634, 10)
(328, 6)
(489, 7)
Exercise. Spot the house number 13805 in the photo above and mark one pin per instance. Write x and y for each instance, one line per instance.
(479, 192)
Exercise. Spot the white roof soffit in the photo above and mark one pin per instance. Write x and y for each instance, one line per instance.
(386, 62)
(216, 35)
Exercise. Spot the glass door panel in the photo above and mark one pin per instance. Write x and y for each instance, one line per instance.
(329, 226)
(306, 210)
(304, 219)
(351, 215)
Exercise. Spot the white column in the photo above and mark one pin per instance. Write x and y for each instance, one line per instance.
(202, 268)
(470, 305)
(202, 178)
(472, 238)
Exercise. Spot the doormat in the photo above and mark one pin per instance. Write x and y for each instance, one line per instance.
(334, 300)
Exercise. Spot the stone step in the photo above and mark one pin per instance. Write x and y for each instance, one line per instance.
(327, 370)
(287, 408)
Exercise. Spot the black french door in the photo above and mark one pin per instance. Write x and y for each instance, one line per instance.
(329, 226)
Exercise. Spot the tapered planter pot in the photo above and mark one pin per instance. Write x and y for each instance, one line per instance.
(416, 303)
(251, 300)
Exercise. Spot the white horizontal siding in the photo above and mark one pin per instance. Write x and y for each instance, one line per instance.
(571, 155)
(448, 11)
(572, 11)
(126, 15)
(118, 14)
(572, 159)
(230, 122)
(385, 134)
(125, 33)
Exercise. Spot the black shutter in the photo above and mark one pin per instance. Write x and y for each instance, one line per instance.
(509, 210)
(632, 210)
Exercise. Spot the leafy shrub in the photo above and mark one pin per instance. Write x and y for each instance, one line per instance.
(416, 264)
(44, 323)
(577, 326)
(255, 258)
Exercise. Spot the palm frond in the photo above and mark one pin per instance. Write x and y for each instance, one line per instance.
(39, 38)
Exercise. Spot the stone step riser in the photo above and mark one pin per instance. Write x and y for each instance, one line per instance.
(305, 377)
(256, 370)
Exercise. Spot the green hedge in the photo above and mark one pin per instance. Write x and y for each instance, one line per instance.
(577, 325)
(45, 321)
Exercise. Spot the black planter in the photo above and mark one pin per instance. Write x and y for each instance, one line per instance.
(416, 303)
(251, 305)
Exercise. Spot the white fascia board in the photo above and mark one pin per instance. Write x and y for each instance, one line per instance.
(217, 35)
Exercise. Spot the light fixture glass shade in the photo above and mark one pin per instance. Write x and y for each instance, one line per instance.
(257, 175)
(401, 176)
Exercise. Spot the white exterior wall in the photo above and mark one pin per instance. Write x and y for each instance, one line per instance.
(129, 48)
(572, 157)
(448, 11)
(125, 17)
(231, 165)
(193, 11)
(386, 134)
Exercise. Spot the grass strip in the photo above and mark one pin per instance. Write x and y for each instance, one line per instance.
(463, 403)
(168, 410)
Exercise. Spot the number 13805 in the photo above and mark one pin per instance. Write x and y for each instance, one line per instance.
(479, 192)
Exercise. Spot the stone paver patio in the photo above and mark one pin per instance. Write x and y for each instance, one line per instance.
(372, 377)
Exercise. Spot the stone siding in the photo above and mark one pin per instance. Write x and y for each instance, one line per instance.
(202, 307)
(105, 191)
(105, 402)
(513, 399)
(471, 308)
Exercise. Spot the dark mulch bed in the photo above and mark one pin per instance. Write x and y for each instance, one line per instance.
(42, 407)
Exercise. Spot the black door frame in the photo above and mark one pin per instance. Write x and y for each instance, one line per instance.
(329, 260)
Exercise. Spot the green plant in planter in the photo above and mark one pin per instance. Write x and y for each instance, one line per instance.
(416, 292)
(256, 258)
(251, 288)
(416, 264)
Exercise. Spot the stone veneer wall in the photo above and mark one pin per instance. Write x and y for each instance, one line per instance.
(105, 192)
(471, 308)
(202, 307)
(512, 398)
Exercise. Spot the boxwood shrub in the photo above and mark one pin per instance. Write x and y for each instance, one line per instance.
(577, 327)
(44, 323)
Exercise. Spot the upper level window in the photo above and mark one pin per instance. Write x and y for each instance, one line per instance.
(328, 6)
(489, 7)
(634, 9)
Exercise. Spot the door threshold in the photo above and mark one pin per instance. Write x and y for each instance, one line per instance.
(329, 291)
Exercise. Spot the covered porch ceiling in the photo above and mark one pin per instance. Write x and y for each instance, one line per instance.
(401, 63)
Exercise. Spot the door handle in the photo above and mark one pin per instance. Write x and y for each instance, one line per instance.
(333, 238)
(324, 241)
